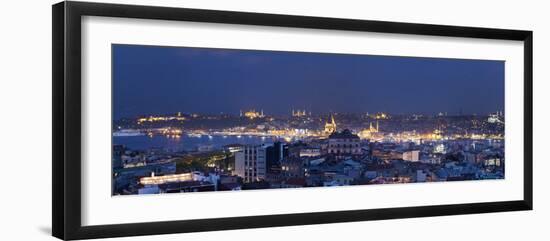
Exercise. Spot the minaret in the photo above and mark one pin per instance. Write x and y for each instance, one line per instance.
(377, 126)
(262, 114)
(241, 113)
(333, 123)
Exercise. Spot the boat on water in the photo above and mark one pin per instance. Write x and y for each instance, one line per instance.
(128, 132)
(194, 135)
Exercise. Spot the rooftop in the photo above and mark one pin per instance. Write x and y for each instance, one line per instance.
(345, 134)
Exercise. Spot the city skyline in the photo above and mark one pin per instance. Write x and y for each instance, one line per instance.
(299, 120)
(160, 80)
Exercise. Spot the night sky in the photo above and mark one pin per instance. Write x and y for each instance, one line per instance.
(162, 80)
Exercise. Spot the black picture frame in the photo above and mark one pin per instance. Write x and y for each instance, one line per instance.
(66, 184)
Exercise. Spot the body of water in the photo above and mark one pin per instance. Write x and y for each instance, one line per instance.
(186, 143)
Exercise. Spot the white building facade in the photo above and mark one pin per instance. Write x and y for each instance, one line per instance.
(250, 163)
(412, 156)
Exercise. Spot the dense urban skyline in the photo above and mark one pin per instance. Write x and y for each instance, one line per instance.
(279, 133)
(155, 80)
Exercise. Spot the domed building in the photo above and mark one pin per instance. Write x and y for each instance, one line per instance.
(368, 133)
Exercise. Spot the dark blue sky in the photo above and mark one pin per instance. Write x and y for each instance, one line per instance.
(157, 80)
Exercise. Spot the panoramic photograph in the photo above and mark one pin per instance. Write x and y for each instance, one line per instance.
(188, 119)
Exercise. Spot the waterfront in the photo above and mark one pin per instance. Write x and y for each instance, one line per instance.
(186, 142)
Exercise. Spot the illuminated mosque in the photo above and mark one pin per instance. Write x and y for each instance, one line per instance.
(367, 133)
(300, 113)
(251, 114)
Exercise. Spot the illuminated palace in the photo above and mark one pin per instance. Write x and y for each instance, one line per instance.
(330, 127)
(344, 143)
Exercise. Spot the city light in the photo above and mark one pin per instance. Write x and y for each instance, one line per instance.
(166, 179)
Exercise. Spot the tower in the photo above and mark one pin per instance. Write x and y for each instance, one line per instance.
(330, 127)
